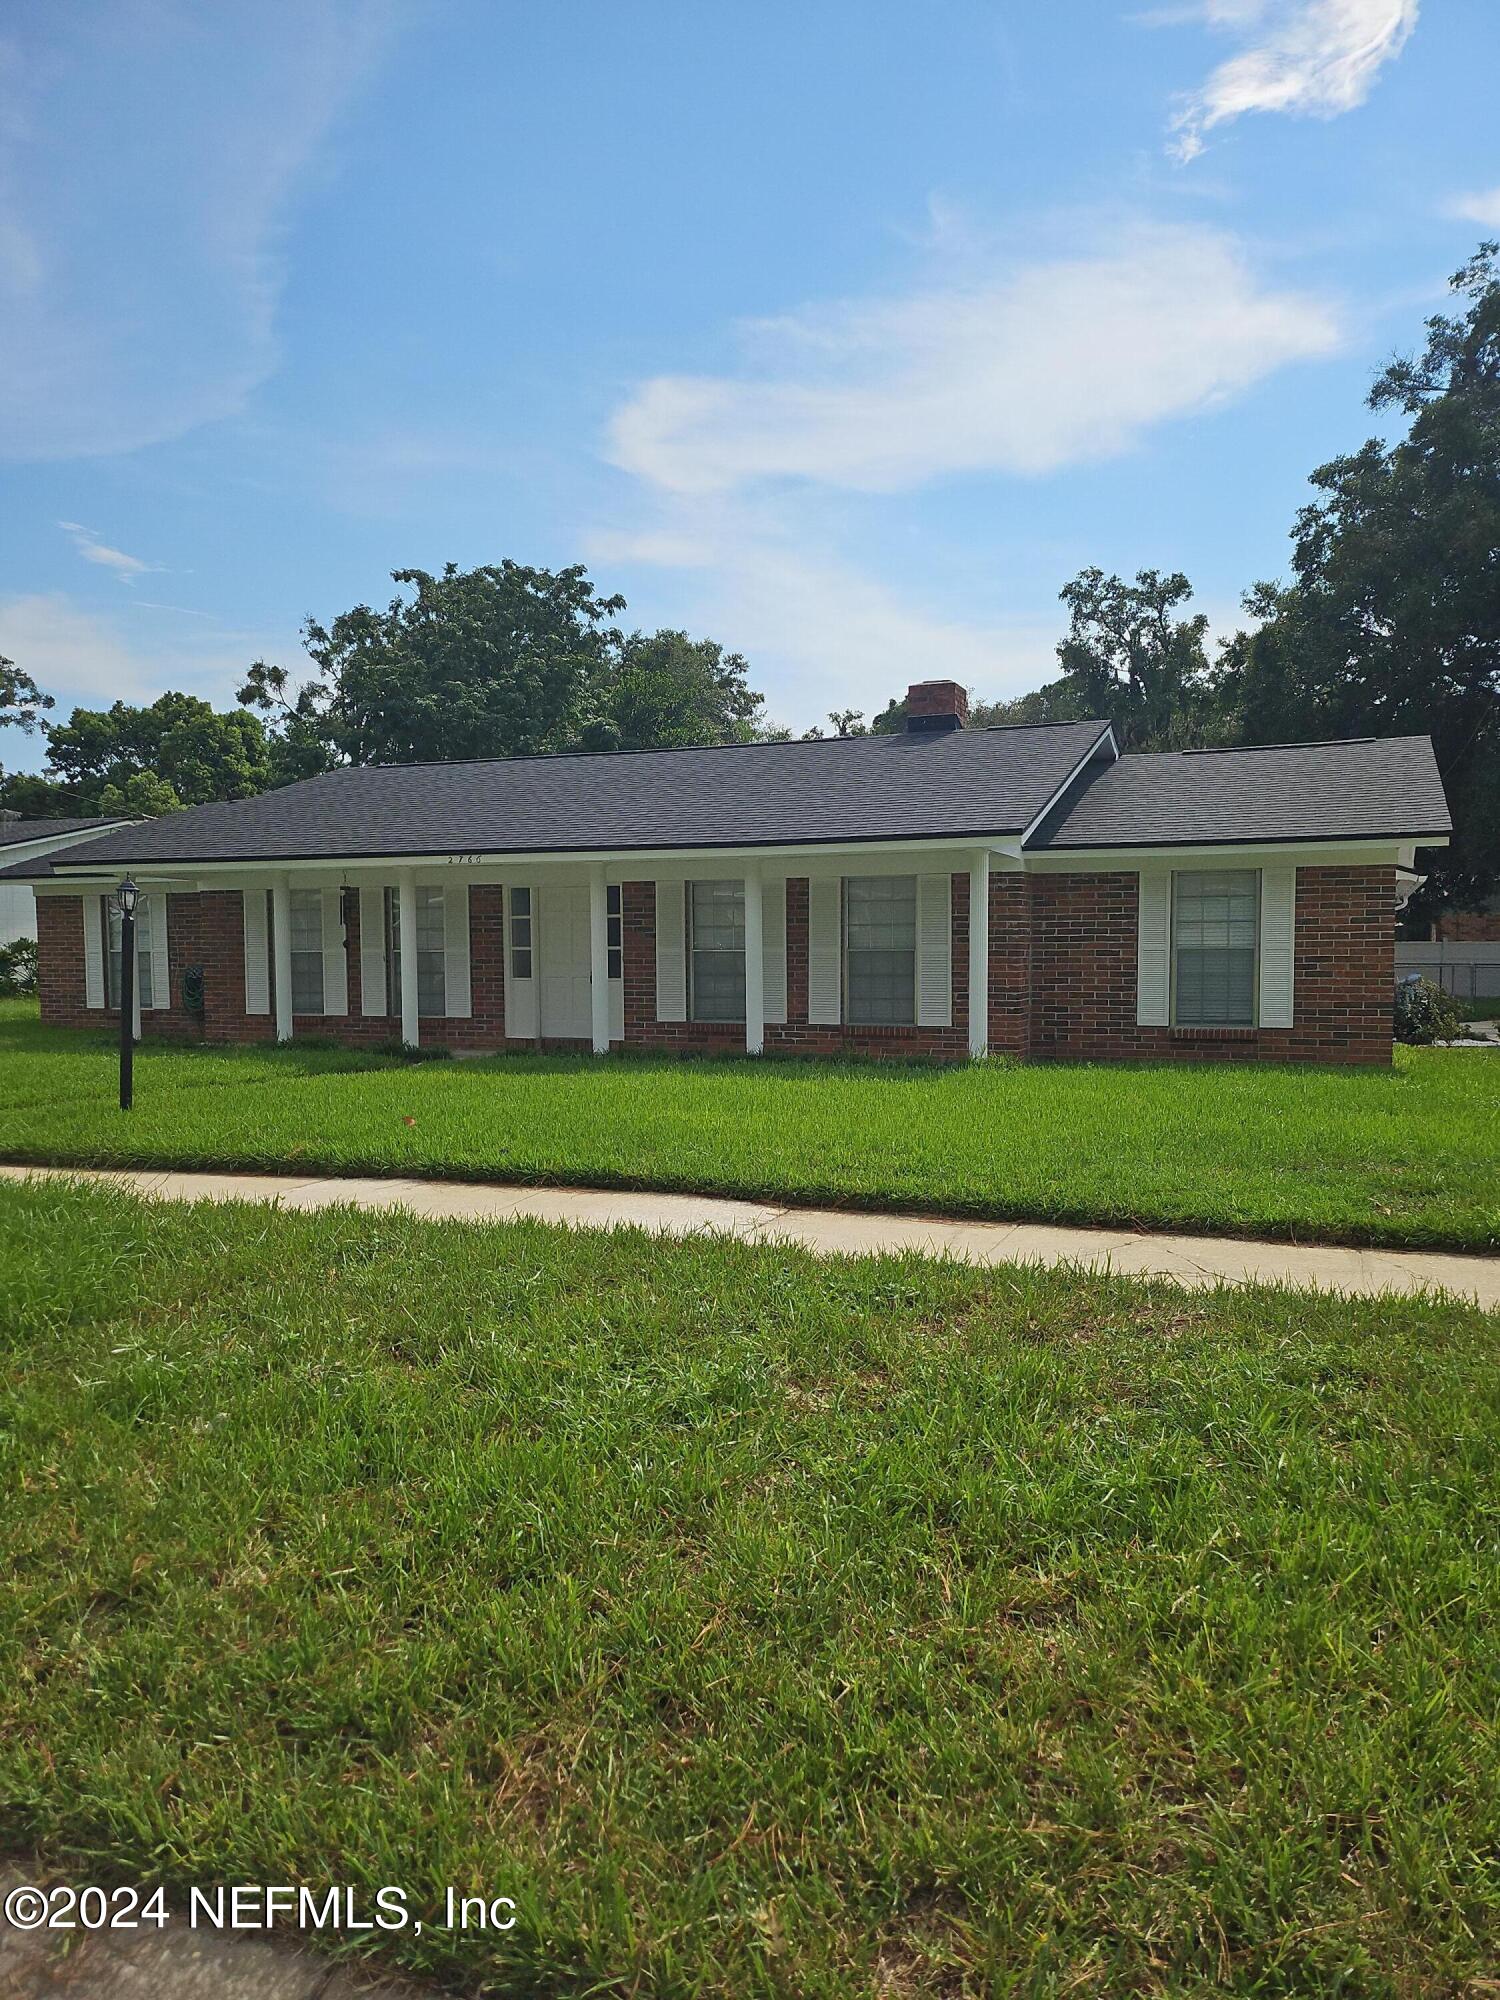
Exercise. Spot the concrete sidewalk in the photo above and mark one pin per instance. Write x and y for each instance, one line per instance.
(1200, 1262)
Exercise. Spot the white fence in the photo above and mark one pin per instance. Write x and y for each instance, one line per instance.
(1467, 971)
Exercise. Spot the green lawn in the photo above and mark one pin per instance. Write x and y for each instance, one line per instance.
(762, 1626)
(1407, 1157)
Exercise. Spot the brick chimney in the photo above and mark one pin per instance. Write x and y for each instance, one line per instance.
(934, 705)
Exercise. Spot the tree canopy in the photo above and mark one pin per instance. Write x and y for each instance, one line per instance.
(177, 751)
(661, 689)
(1130, 656)
(1392, 622)
(500, 661)
(21, 700)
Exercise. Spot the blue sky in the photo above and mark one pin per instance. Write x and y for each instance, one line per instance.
(844, 333)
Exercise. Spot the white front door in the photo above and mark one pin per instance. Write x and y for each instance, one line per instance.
(565, 960)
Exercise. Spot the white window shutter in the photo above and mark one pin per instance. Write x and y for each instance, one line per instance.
(372, 952)
(257, 969)
(457, 1001)
(773, 946)
(95, 917)
(671, 950)
(825, 950)
(1153, 991)
(161, 971)
(1278, 929)
(934, 951)
(335, 962)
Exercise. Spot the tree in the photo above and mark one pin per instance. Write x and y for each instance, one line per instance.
(192, 753)
(21, 700)
(1129, 657)
(35, 797)
(1392, 624)
(663, 688)
(143, 795)
(1057, 701)
(501, 661)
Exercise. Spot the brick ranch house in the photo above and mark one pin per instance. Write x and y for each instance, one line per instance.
(945, 892)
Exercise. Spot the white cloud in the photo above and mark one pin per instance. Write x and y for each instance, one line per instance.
(1310, 58)
(820, 632)
(1020, 370)
(1482, 206)
(150, 153)
(126, 568)
(83, 657)
(993, 367)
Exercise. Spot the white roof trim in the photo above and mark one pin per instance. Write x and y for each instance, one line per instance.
(1246, 853)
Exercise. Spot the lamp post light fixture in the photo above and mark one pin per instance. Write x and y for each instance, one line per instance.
(125, 901)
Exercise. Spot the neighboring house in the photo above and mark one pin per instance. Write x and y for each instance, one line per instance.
(24, 840)
(945, 892)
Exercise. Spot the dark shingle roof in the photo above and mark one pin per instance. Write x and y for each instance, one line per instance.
(1381, 787)
(963, 784)
(960, 783)
(13, 832)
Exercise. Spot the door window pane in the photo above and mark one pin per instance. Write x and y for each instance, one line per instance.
(1214, 925)
(880, 917)
(307, 951)
(520, 933)
(716, 916)
(614, 926)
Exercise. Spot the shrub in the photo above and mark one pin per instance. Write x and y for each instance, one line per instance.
(1425, 1014)
(17, 968)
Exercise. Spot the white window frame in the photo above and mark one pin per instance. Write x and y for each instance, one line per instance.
(713, 1020)
(109, 914)
(303, 897)
(848, 882)
(1174, 947)
(429, 953)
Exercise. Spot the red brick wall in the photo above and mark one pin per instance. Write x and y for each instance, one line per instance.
(483, 1028)
(221, 926)
(797, 1036)
(59, 963)
(1084, 967)
(1469, 927)
(208, 929)
(1062, 978)
(60, 974)
(1011, 949)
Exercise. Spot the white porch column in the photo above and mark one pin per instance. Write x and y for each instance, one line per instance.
(755, 963)
(598, 959)
(979, 953)
(406, 888)
(281, 943)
